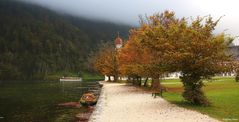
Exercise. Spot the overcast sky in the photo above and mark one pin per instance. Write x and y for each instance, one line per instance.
(127, 11)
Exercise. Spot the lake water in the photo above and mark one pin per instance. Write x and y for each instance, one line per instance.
(38, 101)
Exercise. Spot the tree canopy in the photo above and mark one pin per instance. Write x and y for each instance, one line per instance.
(165, 44)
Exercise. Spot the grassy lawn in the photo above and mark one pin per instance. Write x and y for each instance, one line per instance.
(223, 93)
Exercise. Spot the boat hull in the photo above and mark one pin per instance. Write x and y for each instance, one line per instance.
(79, 79)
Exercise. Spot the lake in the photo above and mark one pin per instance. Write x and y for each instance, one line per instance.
(38, 101)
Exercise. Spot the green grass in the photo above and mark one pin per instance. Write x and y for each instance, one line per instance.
(90, 76)
(223, 93)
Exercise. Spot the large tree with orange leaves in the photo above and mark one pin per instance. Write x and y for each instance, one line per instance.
(133, 58)
(139, 61)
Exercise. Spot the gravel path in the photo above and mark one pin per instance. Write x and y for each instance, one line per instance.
(122, 103)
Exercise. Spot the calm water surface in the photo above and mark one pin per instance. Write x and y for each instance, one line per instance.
(37, 101)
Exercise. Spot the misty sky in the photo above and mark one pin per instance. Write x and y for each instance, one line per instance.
(127, 11)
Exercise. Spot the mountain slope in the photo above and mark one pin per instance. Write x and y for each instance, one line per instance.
(35, 41)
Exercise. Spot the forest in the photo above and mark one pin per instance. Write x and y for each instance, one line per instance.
(36, 42)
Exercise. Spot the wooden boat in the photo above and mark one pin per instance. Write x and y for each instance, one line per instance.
(88, 99)
(71, 79)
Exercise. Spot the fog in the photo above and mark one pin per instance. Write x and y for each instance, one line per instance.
(127, 11)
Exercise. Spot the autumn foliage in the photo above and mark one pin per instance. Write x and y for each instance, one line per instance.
(165, 44)
(133, 59)
(105, 60)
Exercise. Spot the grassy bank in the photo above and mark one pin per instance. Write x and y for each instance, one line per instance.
(223, 93)
(90, 76)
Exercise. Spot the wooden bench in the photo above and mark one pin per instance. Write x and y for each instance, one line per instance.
(158, 92)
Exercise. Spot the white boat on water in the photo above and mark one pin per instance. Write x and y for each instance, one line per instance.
(71, 79)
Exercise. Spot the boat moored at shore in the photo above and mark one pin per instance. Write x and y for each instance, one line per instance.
(71, 79)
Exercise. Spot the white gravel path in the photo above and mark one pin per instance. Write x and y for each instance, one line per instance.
(122, 103)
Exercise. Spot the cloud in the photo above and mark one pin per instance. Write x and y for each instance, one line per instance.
(127, 11)
(124, 11)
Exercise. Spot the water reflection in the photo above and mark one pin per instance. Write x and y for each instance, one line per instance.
(80, 87)
(35, 101)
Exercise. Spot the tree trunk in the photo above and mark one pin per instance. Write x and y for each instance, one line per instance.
(116, 78)
(129, 79)
(109, 78)
(193, 90)
(134, 80)
(138, 80)
(145, 82)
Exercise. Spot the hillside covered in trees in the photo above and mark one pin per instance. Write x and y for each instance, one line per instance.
(36, 42)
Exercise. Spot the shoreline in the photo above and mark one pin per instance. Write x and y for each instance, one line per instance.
(124, 103)
(99, 106)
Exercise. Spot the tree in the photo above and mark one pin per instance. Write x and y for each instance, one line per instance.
(176, 45)
(153, 37)
(105, 60)
(132, 58)
(202, 56)
(188, 47)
